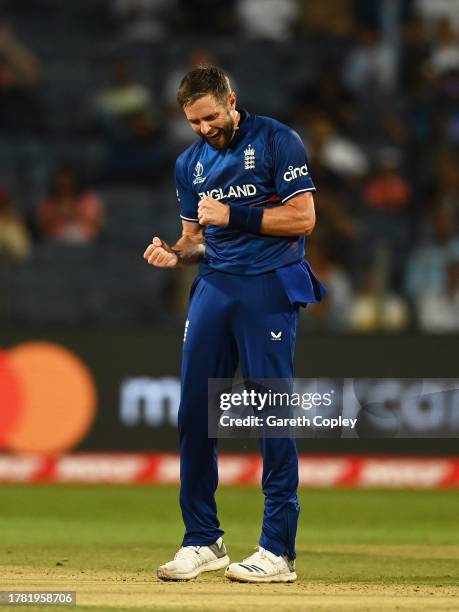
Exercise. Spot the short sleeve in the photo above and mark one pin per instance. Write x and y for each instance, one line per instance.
(291, 171)
(188, 199)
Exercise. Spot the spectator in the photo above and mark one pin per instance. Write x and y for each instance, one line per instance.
(268, 19)
(70, 213)
(445, 54)
(332, 314)
(447, 188)
(414, 55)
(438, 311)
(421, 105)
(445, 183)
(387, 190)
(333, 17)
(431, 12)
(327, 95)
(376, 308)
(136, 154)
(385, 222)
(339, 227)
(20, 73)
(122, 98)
(132, 126)
(142, 20)
(370, 68)
(337, 153)
(339, 165)
(14, 238)
(426, 270)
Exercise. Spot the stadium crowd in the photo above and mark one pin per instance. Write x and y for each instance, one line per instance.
(89, 132)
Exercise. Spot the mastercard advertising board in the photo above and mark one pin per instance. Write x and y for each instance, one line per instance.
(48, 398)
(119, 391)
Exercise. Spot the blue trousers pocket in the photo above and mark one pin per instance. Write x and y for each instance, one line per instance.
(301, 285)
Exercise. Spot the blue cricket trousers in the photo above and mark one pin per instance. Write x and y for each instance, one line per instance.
(230, 321)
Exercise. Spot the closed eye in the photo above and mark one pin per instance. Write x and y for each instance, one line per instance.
(208, 118)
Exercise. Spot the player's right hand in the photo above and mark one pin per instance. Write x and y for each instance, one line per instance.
(160, 254)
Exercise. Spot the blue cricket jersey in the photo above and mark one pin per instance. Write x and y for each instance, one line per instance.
(264, 165)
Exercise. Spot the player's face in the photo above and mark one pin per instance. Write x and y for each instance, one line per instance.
(213, 120)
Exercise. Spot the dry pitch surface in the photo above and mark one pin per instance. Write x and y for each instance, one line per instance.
(358, 550)
(111, 591)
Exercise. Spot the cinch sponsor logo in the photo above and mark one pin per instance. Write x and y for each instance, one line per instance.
(234, 191)
(293, 173)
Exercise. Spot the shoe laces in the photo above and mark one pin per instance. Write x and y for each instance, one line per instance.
(187, 552)
(262, 555)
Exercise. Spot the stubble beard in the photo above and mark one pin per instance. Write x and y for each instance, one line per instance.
(224, 136)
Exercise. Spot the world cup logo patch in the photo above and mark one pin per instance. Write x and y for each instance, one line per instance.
(198, 172)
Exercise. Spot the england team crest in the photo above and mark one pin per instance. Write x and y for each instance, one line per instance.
(249, 158)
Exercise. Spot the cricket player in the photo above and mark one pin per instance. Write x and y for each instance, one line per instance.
(246, 204)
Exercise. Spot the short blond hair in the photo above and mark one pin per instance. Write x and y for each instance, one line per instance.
(203, 81)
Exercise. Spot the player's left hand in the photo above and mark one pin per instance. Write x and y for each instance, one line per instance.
(213, 212)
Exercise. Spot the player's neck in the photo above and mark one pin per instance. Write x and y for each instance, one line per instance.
(237, 119)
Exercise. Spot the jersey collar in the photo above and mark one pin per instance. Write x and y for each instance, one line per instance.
(243, 128)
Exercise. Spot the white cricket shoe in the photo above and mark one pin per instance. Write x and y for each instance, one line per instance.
(262, 566)
(190, 561)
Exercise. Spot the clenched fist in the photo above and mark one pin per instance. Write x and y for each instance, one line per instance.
(160, 254)
(213, 212)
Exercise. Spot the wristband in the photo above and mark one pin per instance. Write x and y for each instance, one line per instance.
(246, 218)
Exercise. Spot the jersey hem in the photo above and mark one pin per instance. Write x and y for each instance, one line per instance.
(206, 268)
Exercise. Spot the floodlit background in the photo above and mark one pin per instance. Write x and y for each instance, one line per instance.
(90, 130)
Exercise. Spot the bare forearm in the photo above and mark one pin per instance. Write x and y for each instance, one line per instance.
(294, 218)
(287, 221)
(189, 250)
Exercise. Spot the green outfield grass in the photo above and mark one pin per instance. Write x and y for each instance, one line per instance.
(114, 537)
